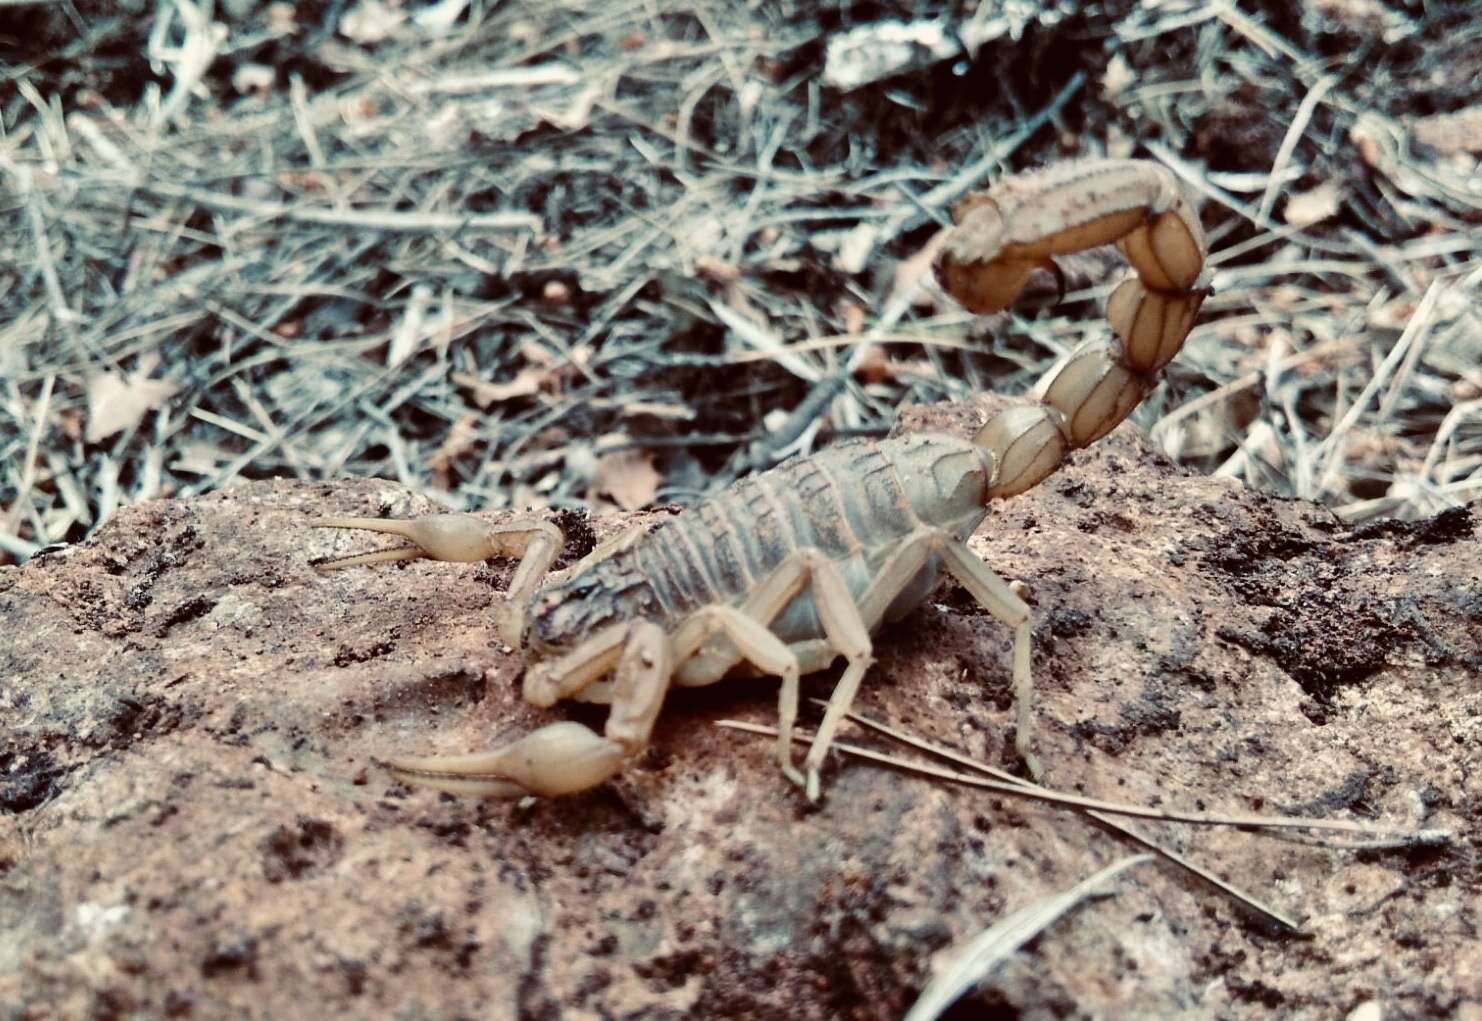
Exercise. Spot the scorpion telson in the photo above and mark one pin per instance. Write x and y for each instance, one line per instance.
(788, 570)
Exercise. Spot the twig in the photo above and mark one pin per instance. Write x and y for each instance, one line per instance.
(943, 195)
(357, 219)
(1289, 143)
(1161, 428)
(25, 186)
(1419, 324)
(10, 523)
(1420, 838)
(764, 341)
(1109, 821)
(963, 967)
(852, 340)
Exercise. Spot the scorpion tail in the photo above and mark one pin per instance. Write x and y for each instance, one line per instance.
(1092, 391)
(1151, 313)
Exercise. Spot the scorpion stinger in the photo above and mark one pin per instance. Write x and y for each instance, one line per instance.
(786, 571)
(1005, 233)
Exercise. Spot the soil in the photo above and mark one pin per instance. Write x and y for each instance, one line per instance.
(195, 824)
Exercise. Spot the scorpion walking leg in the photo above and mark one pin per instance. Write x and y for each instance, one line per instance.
(750, 641)
(991, 592)
(846, 634)
(564, 758)
(463, 538)
(995, 596)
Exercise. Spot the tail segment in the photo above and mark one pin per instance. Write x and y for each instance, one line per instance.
(1003, 234)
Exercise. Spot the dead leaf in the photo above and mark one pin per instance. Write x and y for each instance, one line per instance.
(370, 22)
(537, 355)
(70, 420)
(408, 335)
(629, 477)
(577, 114)
(250, 77)
(486, 394)
(1392, 315)
(717, 270)
(1363, 139)
(1450, 133)
(872, 366)
(852, 315)
(463, 437)
(912, 272)
(1371, 19)
(199, 458)
(881, 49)
(1118, 76)
(1306, 208)
(440, 18)
(282, 18)
(856, 247)
(116, 403)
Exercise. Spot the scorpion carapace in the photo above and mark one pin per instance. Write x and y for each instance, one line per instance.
(788, 570)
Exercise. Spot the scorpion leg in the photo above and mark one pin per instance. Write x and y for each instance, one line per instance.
(991, 592)
(995, 596)
(463, 538)
(566, 757)
(846, 634)
(750, 641)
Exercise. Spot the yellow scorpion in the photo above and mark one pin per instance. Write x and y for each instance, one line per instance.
(788, 570)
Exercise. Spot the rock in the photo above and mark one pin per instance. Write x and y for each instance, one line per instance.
(196, 826)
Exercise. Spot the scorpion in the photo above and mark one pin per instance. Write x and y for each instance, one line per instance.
(789, 569)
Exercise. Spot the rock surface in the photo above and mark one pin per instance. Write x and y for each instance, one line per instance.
(194, 825)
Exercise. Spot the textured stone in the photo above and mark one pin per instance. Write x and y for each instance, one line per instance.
(196, 826)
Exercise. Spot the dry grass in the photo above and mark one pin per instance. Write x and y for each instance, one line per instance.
(551, 253)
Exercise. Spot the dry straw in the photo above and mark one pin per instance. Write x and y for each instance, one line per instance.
(483, 249)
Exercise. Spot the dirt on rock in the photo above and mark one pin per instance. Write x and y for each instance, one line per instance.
(195, 825)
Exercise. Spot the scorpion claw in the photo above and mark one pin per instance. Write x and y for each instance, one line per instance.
(453, 537)
(435, 774)
(562, 758)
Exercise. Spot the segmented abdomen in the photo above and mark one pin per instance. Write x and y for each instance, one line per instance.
(849, 501)
(854, 502)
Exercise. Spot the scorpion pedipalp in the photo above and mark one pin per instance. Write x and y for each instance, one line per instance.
(561, 758)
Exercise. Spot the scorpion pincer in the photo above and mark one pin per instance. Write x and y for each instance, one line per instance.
(790, 569)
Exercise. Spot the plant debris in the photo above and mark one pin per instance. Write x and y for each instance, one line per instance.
(442, 241)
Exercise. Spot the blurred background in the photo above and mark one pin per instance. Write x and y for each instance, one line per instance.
(618, 254)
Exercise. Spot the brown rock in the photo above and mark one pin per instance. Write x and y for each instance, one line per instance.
(196, 827)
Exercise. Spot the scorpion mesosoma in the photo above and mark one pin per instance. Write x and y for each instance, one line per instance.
(790, 569)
